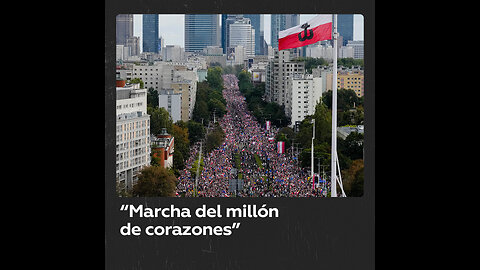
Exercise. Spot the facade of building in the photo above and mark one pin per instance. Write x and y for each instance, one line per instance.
(150, 33)
(124, 28)
(163, 148)
(347, 78)
(236, 55)
(241, 33)
(258, 26)
(201, 30)
(326, 52)
(304, 93)
(358, 48)
(132, 134)
(187, 90)
(172, 102)
(345, 27)
(278, 71)
(351, 79)
(173, 53)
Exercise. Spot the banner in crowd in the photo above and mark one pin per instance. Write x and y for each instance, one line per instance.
(281, 147)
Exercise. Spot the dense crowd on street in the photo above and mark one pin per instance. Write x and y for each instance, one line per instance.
(278, 176)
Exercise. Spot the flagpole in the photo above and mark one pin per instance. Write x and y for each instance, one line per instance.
(333, 178)
(313, 138)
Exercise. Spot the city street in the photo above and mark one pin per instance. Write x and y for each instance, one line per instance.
(278, 174)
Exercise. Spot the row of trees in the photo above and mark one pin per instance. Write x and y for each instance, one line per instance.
(261, 109)
(313, 62)
(209, 98)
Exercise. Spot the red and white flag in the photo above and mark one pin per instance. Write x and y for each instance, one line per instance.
(317, 29)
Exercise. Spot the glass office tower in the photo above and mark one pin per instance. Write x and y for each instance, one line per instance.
(150, 33)
(201, 30)
(345, 27)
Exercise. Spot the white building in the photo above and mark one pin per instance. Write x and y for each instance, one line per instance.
(132, 134)
(172, 102)
(326, 52)
(358, 48)
(173, 53)
(278, 71)
(243, 34)
(304, 93)
(236, 55)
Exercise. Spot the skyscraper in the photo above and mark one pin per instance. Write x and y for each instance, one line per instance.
(257, 24)
(241, 33)
(345, 27)
(227, 19)
(201, 30)
(124, 28)
(150, 33)
(281, 22)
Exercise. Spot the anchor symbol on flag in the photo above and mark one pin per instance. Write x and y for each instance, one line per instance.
(305, 36)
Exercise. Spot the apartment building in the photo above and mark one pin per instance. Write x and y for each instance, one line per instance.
(132, 134)
(304, 92)
(278, 71)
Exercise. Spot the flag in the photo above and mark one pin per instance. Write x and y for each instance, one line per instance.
(268, 125)
(317, 29)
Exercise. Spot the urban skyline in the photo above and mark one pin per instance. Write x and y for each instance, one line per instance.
(171, 27)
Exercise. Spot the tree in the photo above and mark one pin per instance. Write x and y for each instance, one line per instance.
(155, 181)
(195, 131)
(214, 78)
(214, 138)
(352, 179)
(182, 143)
(159, 118)
(152, 97)
(352, 146)
(311, 62)
(214, 105)
(137, 80)
(345, 99)
(200, 112)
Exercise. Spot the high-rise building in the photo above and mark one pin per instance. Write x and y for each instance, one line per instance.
(227, 19)
(345, 27)
(150, 33)
(132, 134)
(278, 72)
(241, 33)
(124, 28)
(257, 24)
(201, 30)
(304, 92)
(358, 48)
(281, 22)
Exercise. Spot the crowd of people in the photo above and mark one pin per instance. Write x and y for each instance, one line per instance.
(277, 175)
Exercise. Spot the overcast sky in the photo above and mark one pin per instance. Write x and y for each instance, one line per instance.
(172, 27)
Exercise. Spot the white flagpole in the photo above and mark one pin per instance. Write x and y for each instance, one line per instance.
(313, 138)
(334, 112)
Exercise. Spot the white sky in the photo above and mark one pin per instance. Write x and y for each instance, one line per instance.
(172, 27)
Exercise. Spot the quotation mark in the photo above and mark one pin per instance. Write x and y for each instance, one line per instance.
(236, 225)
(124, 207)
